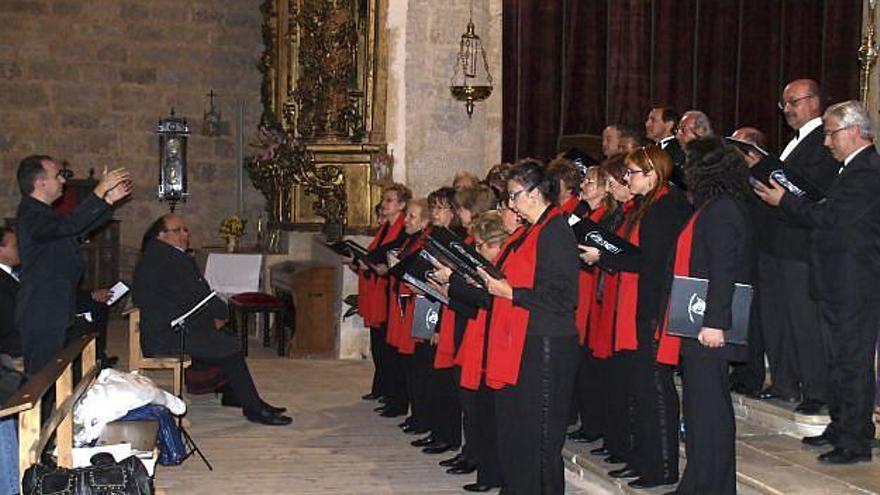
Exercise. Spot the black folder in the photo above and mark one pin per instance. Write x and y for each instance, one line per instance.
(747, 146)
(451, 250)
(795, 183)
(592, 234)
(415, 270)
(426, 314)
(687, 304)
(340, 248)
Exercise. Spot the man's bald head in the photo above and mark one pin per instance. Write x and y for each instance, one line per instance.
(801, 102)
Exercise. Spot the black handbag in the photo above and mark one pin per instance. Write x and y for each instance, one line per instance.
(104, 477)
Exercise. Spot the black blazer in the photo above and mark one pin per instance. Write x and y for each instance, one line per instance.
(10, 340)
(657, 234)
(845, 232)
(167, 283)
(673, 149)
(811, 160)
(51, 269)
(722, 251)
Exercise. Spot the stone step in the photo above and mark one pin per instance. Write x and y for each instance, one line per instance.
(770, 457)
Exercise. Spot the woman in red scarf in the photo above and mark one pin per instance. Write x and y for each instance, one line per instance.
(717, 245)
(661, 211)
(492, 237)
(373, 288)
(532, 353)
(596, 195)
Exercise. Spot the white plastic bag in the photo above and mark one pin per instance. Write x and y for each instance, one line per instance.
(111, 397)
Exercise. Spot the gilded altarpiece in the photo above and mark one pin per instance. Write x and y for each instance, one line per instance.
(321, 156)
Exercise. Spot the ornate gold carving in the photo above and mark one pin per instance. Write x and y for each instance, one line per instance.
(323, 108)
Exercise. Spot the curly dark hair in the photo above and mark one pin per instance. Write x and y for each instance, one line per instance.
(713, 168)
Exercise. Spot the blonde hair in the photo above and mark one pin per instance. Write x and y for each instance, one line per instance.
(477, 199)
(489, 228)
(403, 193)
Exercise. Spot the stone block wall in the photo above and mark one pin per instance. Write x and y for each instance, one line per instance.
(87, 80)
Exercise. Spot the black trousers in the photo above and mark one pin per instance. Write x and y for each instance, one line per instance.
(533, 414)
(416, 370)
(241, 383)
(588, 392)
(394, 379)
(98, 325)
(485, 439)
(793, 334)
(444, 407)
(467, 398)
(853, 332)
(751, 374)
(655, 429)
(377, 341)
(619, 406)
(711, 427)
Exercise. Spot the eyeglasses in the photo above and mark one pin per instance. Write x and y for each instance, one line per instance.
(511, 196)
(831, 132)
(792, 102)
(177, 230)
(632, 171)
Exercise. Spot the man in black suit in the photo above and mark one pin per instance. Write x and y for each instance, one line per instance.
(10, 340)
(845, 276)
(794, 339)
(660, 128)
(167, 283)
(50, 257)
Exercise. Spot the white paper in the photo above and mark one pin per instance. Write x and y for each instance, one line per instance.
(180, 319)
(116, 292)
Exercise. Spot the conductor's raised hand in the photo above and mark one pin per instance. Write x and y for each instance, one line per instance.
(114, 185)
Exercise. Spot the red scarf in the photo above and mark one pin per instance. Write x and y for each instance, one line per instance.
(507, 329)
(472, 349)
(586, 290)
(570, 204)
(373, 289)
(400, 319)
(628, 294)
(445, 354)
(669, 347)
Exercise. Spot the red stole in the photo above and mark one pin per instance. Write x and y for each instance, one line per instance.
(570, 204)
(400, 319)
(373, 289)
(507, 329)
(628, 294)
(669, 346)
(587, 290)
(472, 349)
(444, 357)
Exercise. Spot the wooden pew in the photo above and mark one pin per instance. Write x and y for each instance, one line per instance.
(33, 435)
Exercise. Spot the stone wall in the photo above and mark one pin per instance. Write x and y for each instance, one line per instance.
(430, 133)
(87, 80)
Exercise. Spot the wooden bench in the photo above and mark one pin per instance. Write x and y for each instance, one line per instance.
(136, 359)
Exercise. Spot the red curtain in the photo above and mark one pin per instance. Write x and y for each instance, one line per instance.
(572, 66)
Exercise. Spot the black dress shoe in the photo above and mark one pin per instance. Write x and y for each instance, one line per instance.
(463, 468)
(642, 484)
(370, 396)
(600, 451)
(414, 430)
(380, 409)
(423, 442)
(406, 422)
(390, 412)
(478, 487)
(383, 400)
(613, 459)
(811, 407)
(452, 461)
(266, 417)
(844, 456)
(437, 448)
(818, 441)
(276, 410)
(624, 472)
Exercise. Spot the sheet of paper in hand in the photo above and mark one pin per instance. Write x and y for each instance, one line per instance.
(687, 305)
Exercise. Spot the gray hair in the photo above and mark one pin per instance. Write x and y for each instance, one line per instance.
(702, 124)
(852, 114)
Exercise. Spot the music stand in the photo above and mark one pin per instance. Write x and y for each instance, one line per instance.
(179, 326)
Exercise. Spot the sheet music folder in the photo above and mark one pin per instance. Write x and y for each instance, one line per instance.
(687, 305)
(415, 270)
(592, 234)
(451, 250)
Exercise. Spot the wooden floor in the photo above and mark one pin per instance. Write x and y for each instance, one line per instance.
(336, 444)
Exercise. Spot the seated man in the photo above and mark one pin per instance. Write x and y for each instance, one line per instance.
(10, 340)
(167, 283)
